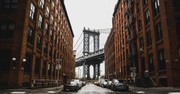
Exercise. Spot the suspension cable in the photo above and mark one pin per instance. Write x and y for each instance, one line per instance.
(78, 40)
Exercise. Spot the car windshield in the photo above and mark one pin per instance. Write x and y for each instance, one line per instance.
(73, 83)
(116, 81)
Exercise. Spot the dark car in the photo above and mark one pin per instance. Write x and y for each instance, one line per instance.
(71, 86)
(119, 86)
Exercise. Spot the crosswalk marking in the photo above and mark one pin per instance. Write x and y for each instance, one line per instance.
(140, 92)
(17, 92)
(174, 93)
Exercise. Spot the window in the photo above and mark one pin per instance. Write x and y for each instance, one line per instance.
(55, 25)
(57, 1)
(46, 28)
(7, 26)
(149, 40)
(42, 4)
(145, 2)
(5, 59)
(162, 65)
(44, 68)
(52, 19)
(38, 45)
(138, 6)
(45, 47)
(37, 66)
(139, 24)
(156, 7)
(6, 30)
(49, 69)
(50, 52)
(51, 35)
(151, 63)
(176, 5)
(158, 30)
(179, 51)
(147, 15)
(56, 13)
(40, 21)
(141, 45)
(32, 11)
(30, 36)
(54, 41)
(177, 21)
(52, 5)
(27, 65)
(47, 11)
(10, 4)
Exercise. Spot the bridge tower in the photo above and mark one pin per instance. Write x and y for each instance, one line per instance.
(86, 51)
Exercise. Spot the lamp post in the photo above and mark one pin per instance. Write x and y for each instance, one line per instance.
(58, 67)
(24, 61)
(13, 62)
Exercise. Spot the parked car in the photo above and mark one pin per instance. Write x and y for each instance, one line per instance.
(78, 82)
(103, 82)
(119, 86)
(109, 83)
(71, 86)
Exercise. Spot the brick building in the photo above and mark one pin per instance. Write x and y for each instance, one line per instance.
(36, 39)
(146, 35)
(109, 56)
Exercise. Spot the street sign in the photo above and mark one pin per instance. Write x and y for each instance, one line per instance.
(58, 59)
(133, 74)
(133, 68)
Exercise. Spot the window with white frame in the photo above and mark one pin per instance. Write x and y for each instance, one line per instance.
(42, 4)
(47, 11)
(156, 7)
(147, 17)
(52, 19)
(40, 21)
(32, 11)
(52, 5)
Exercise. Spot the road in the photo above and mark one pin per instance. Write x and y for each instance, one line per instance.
(93, 89)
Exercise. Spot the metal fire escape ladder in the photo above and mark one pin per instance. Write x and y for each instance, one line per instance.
(132, 35)
(131, 30)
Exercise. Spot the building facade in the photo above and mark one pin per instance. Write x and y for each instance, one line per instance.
(146, 35)
(109, 57)
(36, 44)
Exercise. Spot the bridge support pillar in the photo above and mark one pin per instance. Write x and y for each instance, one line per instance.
(88, 72)
(98, 69)
(94, 67)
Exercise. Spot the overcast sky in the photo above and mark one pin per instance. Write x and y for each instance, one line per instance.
(92, 14)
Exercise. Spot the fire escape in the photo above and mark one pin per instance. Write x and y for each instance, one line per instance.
(131, 40)
(145, 79)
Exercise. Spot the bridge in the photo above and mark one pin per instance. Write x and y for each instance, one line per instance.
(90, 58)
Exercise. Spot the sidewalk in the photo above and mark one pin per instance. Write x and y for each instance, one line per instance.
(37, 91)
(155, 90)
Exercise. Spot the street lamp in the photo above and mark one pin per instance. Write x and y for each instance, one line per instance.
(58, 67)
(24, 61)
(13, 62)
